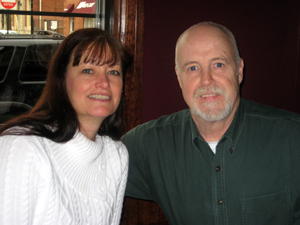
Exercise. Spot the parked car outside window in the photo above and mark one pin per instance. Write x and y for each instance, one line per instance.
(51, 34)
(10, 32)
(23, 69)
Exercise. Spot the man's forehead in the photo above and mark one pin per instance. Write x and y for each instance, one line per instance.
(204, 33)
(204, 36)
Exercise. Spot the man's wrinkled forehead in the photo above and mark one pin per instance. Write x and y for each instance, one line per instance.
(202, 33)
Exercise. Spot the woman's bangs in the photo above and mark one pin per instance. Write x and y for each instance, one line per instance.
(101, 53)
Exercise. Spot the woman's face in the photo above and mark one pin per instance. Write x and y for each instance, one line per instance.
(94, 90)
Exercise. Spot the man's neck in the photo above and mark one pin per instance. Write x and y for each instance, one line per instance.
(213, 131)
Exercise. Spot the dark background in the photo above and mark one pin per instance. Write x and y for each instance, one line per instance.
(267, 33)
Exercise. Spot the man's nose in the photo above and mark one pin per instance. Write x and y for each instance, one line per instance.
(207, 78)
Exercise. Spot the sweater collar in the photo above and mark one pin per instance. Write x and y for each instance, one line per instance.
(78, 160)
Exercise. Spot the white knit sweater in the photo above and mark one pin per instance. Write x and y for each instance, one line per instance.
(78, 182)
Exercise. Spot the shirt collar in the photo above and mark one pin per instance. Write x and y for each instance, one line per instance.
(194, 129)
(235, 128)
(233, 132)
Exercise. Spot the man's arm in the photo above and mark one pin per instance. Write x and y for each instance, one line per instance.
(138, 180)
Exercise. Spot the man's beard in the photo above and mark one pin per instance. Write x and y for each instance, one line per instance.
(211, 111)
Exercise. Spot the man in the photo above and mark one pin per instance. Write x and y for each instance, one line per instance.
(225, 160)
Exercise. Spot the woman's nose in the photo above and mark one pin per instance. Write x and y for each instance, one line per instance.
(102, 81)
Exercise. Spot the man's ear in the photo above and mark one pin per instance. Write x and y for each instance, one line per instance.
(177, 73)
(241, 71)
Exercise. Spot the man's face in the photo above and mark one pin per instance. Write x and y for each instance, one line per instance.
(208, 74)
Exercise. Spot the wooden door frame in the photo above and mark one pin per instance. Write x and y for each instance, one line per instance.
(129, 28)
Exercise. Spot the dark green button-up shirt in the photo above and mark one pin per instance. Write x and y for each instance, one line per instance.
(254, 177)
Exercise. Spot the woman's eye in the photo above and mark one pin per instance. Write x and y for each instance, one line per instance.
(114, 72)
(88, 71)
(192, 68)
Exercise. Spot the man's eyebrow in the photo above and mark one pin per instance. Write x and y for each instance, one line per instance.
(191, 62)
(213, 59)
(221, 58)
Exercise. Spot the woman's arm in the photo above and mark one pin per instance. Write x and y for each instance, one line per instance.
(20, 180)
(122, 185)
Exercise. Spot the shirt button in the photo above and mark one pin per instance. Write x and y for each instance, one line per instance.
(103, 166)
(220, 202)
(218, 168)
(231, 151)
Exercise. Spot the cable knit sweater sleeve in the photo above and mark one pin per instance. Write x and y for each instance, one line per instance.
(77, 182)
(123, 155)
(22, 184)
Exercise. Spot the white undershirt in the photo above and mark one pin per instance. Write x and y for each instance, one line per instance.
(213, 145)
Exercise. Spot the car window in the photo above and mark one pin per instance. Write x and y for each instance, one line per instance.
(23, 71)
(9, 110)
(6, 54)
(36, 62)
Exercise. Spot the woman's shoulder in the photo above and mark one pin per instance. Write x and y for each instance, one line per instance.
(109, 142)
(116, 155)
(114, 147)
(19, 139)
(23, 144)
(23, 155)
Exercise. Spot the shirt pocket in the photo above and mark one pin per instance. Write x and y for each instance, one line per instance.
(269, 209)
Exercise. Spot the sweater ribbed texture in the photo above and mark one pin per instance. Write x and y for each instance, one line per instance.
(78, 182)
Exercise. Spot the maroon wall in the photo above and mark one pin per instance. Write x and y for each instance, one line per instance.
(267, 34)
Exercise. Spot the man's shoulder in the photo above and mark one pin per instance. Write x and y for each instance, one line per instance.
(172, 119)
(257, 109)
(164, 122)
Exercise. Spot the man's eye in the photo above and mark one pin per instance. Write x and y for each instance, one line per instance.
(218, 65)
(193, 68)
(114, 72)
(87, 71)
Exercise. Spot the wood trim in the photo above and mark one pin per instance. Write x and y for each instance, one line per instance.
(129, 28)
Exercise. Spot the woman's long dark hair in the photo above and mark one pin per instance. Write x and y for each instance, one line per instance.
(53, 116)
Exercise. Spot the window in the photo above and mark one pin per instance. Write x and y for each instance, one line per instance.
(36, 61)
(5, 59)
(60, 16)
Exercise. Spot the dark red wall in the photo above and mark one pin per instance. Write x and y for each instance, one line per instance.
(267, 34)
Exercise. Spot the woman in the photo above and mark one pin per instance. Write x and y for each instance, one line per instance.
(62, 163)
